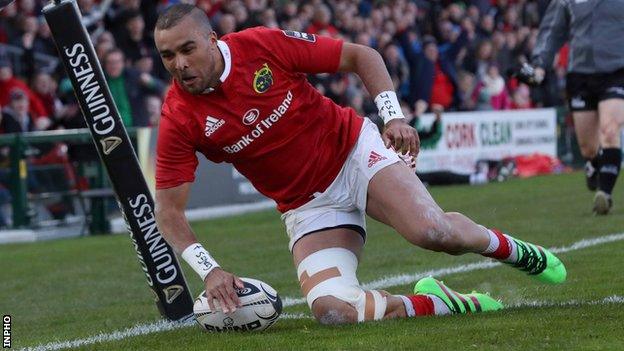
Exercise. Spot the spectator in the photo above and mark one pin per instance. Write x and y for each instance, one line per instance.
(321, 22)
(8, 82)
(104, 44)
(491, 93)
(467, 85)
(15, 116)
(397, 67)
(478, 63)
(521, 98)
(227, 24)
(133, 42)
(93, 16)
(436, 79)
(129, 89)
(44, 87)
(497, 33)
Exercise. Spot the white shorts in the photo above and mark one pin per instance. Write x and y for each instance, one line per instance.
(343, 203)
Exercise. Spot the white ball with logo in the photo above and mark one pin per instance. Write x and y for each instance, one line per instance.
(260, 308)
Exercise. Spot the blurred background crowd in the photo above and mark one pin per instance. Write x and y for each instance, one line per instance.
(442, 55)
(448, 55)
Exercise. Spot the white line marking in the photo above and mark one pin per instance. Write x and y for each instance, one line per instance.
(402, 279)
(137, 330)
(613, 299)
(161, 326)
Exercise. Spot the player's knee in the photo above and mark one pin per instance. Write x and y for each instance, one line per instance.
(610, 134)
(588, 150)
(437, 234)
(332, 290)
(330, 310)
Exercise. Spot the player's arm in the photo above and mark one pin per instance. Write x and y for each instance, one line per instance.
(553, 33)
(172, 222)
(368, 64)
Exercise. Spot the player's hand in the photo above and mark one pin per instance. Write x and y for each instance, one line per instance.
(402, 137)
(530, 75)
(220, 286)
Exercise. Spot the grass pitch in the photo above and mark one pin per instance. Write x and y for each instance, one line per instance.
(77, 288)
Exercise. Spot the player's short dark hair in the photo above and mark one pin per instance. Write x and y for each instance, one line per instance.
(176, 13)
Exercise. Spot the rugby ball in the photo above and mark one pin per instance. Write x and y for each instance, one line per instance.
(260, 309)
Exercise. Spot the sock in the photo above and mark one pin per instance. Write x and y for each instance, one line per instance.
(478, 178)
(439, 306)
(501, 247)
(592, 165)
(418, 305)
(609, 169)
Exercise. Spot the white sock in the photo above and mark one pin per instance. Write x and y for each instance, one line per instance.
(478, 178)
(513, 256)
(409, 308)
(495, 243)
(439, 307)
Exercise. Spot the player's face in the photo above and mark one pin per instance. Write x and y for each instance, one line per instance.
(190, 55)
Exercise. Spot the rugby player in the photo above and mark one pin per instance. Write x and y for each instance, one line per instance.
(594, 83)
(244, 99)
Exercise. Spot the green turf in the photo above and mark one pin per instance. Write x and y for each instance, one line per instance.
(69, 289)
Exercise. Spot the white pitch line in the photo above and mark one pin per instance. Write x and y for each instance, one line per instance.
(402, 279)
(609, 300)
(162, 326)
(137, 330)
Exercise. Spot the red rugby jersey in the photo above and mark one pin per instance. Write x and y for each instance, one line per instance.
(265, 118)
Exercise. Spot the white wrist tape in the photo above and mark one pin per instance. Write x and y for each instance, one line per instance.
(199, 259)
(388, 106)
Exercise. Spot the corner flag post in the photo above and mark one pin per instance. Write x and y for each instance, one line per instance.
(156, 257)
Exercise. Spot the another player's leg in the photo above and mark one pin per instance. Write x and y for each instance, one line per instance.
(611, 112)
(398, 198)
(326, 264)
(587, 133)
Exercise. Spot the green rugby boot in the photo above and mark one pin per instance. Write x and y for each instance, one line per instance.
(539, 263)
(456, 302)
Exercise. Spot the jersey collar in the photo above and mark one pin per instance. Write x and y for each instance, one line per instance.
(227, 59)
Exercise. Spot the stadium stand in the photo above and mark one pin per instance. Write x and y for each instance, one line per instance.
(449, 55)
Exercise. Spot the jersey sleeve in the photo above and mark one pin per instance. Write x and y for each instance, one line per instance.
(302, 52)
(175, 155)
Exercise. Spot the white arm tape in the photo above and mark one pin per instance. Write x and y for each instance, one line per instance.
(388, 106)
(199, 259)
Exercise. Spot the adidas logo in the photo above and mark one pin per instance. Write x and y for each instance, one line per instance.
(374, 158)
(212, 124)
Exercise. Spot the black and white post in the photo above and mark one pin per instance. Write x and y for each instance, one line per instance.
(156, 257)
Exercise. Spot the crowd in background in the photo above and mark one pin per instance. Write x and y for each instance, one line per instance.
(449, 55)
(442, 56)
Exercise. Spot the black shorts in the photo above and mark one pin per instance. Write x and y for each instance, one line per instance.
(586, 90)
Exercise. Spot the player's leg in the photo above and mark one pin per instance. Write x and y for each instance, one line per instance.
(586, 127)
(611, 115)
(582, 90)
(397, 197)
(329, 309)
(326, 264)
